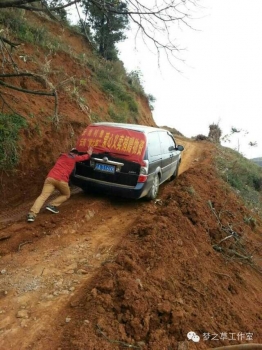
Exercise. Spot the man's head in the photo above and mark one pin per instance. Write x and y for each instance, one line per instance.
(74, 151)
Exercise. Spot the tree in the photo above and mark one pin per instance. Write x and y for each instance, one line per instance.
(153, 20)
(107, 27)
(214, 133)
(241, 133)
(59, 9)
(156, 21)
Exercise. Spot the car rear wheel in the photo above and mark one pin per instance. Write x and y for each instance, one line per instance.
(152, 194)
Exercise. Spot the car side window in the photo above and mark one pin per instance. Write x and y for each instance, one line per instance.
(166, 142)
(154, 148)
(172, 141)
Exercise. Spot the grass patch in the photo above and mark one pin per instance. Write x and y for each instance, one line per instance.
(119, 94)
(241, 174)
(118, 117)
(10, 126)
(122, 88)
(115, 82)
(14, 20)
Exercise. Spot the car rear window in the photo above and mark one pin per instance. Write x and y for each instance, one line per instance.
(124, 143)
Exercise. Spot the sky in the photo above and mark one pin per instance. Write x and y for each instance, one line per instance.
(221, 79)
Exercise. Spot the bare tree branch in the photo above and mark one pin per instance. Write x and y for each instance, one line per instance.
(27, 91)
(15, 3)
(13, 45)
(155, 20)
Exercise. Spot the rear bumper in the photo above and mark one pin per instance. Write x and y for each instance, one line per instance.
(135, 192)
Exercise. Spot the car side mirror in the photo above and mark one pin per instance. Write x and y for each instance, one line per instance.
(171, 148)
(180, 148)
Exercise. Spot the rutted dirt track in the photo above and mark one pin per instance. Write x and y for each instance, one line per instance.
(110, 273)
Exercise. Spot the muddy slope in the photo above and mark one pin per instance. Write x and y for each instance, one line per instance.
(108, 273)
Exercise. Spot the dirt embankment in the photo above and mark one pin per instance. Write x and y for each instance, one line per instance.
(68, 66)
(109, 273)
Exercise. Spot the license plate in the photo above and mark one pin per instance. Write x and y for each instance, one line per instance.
(105, 167)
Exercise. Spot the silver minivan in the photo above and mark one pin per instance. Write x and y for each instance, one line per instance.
(128, 160)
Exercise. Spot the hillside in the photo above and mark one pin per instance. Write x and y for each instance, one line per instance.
(88, 89)
(109, 273)
(258, 161)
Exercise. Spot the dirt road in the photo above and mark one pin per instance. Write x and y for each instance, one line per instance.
(109, 273)
(43, 265)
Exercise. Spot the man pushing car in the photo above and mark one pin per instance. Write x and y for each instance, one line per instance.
(58, 178)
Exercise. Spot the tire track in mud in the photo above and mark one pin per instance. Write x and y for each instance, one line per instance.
(45, 274)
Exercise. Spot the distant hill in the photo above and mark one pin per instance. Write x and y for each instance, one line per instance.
(172, 130)
(258, 160)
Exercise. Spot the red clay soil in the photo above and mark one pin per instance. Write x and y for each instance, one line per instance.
(79, 98)
(108, 273)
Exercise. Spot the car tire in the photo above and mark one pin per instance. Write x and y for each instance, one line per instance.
(172, 177)
(152, 194)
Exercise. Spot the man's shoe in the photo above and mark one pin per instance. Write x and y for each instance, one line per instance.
(52, 208)
(30, 217)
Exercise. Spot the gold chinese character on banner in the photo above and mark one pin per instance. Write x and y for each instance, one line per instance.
(106, 137)
(140, 147)
(120, 142)
(135, 146)
(82, 142)
(114, 146)
(125, 143)
(130, 144)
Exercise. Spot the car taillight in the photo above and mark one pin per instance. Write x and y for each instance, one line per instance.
(143, 172)
(142, 178)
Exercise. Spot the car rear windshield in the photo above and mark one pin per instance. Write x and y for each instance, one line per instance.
(124, 143)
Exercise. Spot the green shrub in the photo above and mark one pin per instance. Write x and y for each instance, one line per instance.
(117, 117)
(242, 174)
(119, 94)
(10, 126)
(135, 81)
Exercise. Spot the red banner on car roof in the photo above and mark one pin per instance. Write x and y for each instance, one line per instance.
(125, 143)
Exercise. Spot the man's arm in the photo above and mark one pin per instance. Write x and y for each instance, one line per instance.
(84, 156)
(81, 158)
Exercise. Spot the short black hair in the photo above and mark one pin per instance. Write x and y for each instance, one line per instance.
(74, 150)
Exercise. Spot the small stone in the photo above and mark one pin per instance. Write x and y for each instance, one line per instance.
(49, 297)
(68, 319)
(89, 215)
(82, 272)
(141, 344)
(3, 271)
(24, 324)
(100, 309)
(72, 266)
(94, 292)
(22, 314)
(64, 292)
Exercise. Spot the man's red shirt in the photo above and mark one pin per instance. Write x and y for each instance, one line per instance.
(65, 165)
